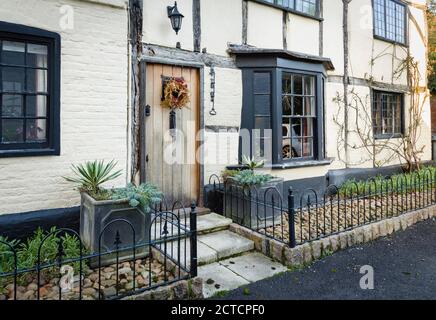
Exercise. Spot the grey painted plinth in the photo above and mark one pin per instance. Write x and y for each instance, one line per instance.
(253, 207)
(99, 228)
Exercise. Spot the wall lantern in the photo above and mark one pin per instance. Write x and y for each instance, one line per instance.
(175, 17)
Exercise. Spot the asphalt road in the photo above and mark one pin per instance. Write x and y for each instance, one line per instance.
(404, 268)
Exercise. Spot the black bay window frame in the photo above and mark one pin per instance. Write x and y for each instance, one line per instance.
(22, 33)
(276, 71)
(406, 24)
(317, 16)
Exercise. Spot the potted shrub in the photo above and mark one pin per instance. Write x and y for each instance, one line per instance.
(247, 199)
(101, 206)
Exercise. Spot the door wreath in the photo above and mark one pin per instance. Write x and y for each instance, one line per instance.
(175, 96)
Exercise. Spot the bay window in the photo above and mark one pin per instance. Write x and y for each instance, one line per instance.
(283, 107)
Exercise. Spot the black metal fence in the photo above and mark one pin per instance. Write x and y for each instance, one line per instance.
(276, 213)
(124, 269)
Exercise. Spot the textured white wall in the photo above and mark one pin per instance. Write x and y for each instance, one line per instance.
(157, 25)
(303, 35)
(265, 26)
(93, 101)
(221, 24)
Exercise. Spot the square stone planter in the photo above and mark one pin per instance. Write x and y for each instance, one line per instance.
(95, 220)
(252, 207)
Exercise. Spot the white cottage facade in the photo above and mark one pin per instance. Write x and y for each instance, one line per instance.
(279, 68)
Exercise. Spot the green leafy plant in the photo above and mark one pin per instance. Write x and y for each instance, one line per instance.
(248, 178)
(91, 175)
(144, 196)
(251, 163)
(28, 251)
(226, 174)
(399, 183)
(27, 254)
(7, 254)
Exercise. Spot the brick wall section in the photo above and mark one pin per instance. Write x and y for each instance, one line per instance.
(94, 99)
(309, 252)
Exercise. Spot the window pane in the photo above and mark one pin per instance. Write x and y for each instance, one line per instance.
(298, 106)
(307, 147)
(309, 106)
(309, 86)
(287, 83)
(307, 128)
(13, 79)
(13, 53)
(286, 127)
(379, 18)
(296, 127)
(287, 105)
(400, 23)
(36, 80)
(36, 55)
(287, 149)
(390, 20)
(298, 85)
(12, 105)
(296, 148)
(306, 6)
(36, 130)
(12, 131)
(36, 106)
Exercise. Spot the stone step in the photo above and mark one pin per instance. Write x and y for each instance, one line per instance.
(211, 222)
(207, 223)
(235, 272)
(185, 212)
(211, 247)
(226, 243)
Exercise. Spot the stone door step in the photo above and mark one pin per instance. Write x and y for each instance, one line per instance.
(235, 272)
(185, 212)
(207, 223)
(211, 247)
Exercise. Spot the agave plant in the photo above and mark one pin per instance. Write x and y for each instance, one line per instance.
(91, 175)
(251, 163)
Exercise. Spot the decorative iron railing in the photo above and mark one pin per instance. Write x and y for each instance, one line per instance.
(278, 215)
(124, 269)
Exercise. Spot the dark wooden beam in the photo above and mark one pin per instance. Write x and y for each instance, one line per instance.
(244, 22)
(285, 30)
(321, 28)
(135, 26)
(196, 21)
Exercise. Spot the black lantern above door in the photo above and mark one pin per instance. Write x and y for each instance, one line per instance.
(176, 17)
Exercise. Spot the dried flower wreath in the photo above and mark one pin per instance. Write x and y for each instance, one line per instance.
(176, 94)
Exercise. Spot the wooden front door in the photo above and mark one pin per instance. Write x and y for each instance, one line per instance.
(171, 162)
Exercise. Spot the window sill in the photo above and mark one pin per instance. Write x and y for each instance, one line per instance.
(406, 45)
(29, 153)
(301, 164)
(388, 136)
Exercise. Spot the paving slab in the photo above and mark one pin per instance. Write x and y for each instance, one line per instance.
(253, 266)
(226, 243)
(204, 253)
(217, 277)
(212, 222)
